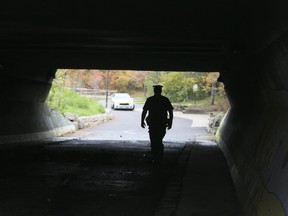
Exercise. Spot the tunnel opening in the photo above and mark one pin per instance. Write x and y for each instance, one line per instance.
(196, 96)
(90, 173)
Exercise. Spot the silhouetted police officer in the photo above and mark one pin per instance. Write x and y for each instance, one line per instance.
(160, 117)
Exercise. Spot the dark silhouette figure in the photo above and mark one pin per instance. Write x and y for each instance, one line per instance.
(160, 117)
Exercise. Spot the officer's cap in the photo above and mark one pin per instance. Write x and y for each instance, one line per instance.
(157, 86)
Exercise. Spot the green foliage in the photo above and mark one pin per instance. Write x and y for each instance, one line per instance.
(178, 86)
(152, 78)
(64, 100)
(70, 101)
(175, 87)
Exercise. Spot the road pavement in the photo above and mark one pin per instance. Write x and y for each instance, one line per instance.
(125, 125)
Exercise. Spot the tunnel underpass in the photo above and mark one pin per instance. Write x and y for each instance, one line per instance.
(88, 177)
(245, 41)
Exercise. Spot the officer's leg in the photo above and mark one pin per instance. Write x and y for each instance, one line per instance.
(160, 149)
(153, 140)
(156, 136)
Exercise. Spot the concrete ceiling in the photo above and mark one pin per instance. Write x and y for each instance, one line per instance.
(167, 35)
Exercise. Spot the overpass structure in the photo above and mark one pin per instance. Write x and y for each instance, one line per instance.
(246, 41)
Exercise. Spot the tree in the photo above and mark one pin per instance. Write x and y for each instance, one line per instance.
(152, 78)
(55, 97)
(93, 79)
(178, 86)
(210, 85)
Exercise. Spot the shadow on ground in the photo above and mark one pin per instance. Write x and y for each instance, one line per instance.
(83, 178)
(112, 178)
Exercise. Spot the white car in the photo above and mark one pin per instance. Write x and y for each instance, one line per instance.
(122, 101)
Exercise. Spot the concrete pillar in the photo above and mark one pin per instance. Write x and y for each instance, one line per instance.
(24, 114)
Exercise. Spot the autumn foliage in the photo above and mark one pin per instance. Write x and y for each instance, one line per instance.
(178, 86)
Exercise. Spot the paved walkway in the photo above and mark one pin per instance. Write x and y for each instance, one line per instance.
(198, 120)
(199, 182)
(207, 189)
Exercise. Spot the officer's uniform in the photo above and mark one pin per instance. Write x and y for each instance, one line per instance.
(157, 121)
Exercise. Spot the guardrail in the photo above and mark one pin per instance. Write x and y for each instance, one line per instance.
(92, 92)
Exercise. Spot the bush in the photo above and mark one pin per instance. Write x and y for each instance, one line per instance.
(70, 101)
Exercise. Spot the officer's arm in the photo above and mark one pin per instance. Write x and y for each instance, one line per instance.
(144, 112)
(169, 126)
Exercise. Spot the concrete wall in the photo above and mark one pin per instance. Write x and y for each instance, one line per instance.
(29, 121)
(24, 114)
(253, 135)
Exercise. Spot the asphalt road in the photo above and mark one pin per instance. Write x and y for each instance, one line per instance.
(126, 126)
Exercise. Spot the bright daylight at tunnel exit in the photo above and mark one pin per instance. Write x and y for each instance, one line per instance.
(82, 95)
